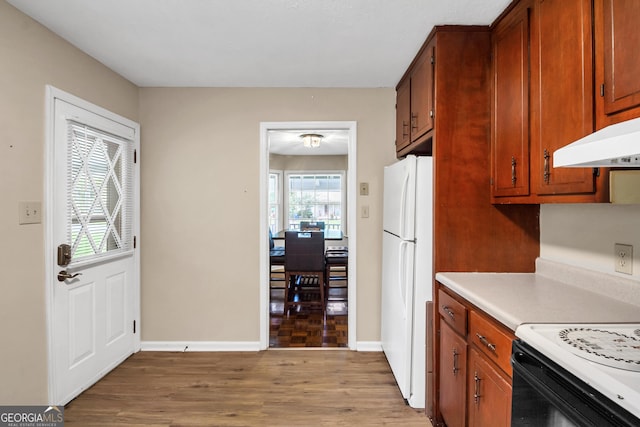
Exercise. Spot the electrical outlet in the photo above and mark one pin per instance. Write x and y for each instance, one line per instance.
(364, 188)
(624, 258)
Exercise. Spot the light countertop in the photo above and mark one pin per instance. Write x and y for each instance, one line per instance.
(555, 293)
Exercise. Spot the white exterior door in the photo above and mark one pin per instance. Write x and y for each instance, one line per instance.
(94, 296)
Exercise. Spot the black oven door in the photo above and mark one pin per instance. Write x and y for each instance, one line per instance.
(545, 394)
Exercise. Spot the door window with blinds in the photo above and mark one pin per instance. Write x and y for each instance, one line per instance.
(99, 193)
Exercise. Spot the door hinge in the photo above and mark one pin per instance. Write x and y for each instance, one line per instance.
(135, 156)
(433, 59)
(602, 89)
(134, 242)
(134, 326)
(596, 172)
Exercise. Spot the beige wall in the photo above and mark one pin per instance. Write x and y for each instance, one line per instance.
(31, 58)
(584, 235)
(200, 197)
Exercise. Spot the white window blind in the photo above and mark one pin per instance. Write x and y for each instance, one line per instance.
(99, 193)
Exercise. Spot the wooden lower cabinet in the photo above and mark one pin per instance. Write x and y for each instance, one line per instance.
(489, 402)
(474, 373)
(453, 376)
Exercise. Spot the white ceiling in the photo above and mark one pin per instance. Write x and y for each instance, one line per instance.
(255, 43)
(288, 142)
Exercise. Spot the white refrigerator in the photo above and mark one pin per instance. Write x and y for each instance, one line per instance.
(407, 271)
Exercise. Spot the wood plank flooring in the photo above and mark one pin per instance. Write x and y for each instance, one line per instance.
(268, 388)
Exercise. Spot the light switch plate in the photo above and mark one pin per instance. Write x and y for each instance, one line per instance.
(364, 188)
(29, 212)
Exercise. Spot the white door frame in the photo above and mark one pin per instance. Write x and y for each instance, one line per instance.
(265, 127)
(51, 268)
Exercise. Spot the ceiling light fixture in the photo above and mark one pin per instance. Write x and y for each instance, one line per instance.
(311, 140)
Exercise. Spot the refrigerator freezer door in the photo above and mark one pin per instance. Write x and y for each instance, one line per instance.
(397, 308)
(399, 198)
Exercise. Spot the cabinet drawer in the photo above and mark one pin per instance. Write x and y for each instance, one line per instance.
(491, 340)
(453, 312)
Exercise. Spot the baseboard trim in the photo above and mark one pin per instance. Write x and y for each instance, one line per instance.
(369, 346)
(183, 346)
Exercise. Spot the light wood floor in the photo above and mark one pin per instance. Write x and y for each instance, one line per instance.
(268, 388)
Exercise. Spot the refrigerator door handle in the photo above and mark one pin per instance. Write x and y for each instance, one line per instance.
(402, 277)
(403, 206)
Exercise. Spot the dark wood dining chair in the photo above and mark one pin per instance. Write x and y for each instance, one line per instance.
(304, 268)
(276, 261)
(336, 269)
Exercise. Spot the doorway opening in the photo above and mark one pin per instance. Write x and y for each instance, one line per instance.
(284, 163)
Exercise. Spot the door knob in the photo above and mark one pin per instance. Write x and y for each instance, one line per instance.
(63, 275)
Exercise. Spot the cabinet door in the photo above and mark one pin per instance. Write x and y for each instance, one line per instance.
(403, 117)
(452, 376)
(510, 109)
(562, 91)
(489, 394)
(621, 57)
(422, 94)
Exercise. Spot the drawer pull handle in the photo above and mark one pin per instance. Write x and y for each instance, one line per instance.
(449, 312)
(455, 362)
(484, 341)
(476, 391)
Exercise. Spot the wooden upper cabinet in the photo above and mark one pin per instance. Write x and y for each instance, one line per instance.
(422, 94)
(510, 111)
(403, 115)
(617, 60)
(562, 92)
(415, 105)
(543, 99)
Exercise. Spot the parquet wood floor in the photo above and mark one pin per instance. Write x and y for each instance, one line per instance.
(267, 388)
(307, 326)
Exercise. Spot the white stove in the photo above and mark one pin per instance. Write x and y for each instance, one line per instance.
(605, 356)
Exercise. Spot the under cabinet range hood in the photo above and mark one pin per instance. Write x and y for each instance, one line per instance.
(616, 145)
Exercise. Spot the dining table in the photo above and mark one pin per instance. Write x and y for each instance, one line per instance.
(329, 234)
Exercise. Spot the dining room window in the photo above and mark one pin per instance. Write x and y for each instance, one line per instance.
(315, 196)
(275, 201)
